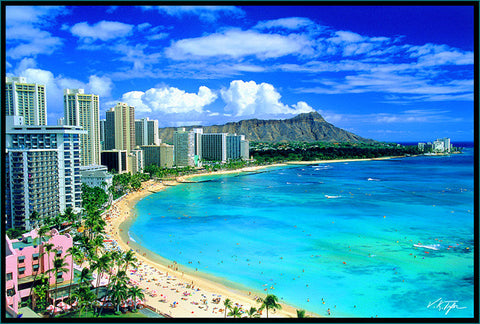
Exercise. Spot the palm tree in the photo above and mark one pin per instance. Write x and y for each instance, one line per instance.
(129, 258)
(235, 312)
(301, 313)
(270, 301)
(47, 248)
(77, 257)
(84, 297)
(59, 265)
(228, 305)
(252, 312)
(119, 294)
(135, 292)
(101, 265)
(85, 277)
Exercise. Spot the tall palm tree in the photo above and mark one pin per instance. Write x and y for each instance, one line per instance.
(228, 305)
(85, 277)
(47, 249)
(235, 312)
(84, 297)
(270, 301)
(77, 257)
(59, 265)
(101, 265)
(135, 292)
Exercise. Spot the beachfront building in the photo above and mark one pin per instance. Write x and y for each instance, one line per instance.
(159, 155)
(135, 162)
(146, 132)
(27, 100)
(237, 147)
(184, 147)
(115, 160)
(42, 171)
(214, 147)
(61, 121)
(82, 109)
(120, 128)
(97, 176)
(26, 259)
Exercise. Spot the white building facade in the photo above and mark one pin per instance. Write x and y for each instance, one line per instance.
(27, 100)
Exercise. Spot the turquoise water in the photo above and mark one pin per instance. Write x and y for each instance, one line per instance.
(336, 236)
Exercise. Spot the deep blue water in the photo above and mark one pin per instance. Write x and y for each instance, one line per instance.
(335, 235)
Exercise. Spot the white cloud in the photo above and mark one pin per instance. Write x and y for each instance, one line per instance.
(24, 34)
(236, 43)
(205, 13)
(169, 100)
(101, 86)
(103, 30)
(249, 98)
(292, 23)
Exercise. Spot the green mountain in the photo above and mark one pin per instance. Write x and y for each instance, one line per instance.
(308, 127)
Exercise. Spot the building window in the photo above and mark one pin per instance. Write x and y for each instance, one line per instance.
(21, 270)
(11, 292)
(21, 259)
(35, 267)
(9, 276)
(35, 256)
(59, 253)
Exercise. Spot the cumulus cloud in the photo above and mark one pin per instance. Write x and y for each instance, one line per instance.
(249, 98)
(170, 100)
(103, 30)
(236, 43)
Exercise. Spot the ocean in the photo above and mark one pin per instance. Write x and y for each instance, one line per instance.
(391, 238)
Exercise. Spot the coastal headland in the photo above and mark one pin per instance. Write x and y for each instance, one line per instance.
(169, 287)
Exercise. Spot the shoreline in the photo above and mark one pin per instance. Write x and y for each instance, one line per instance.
(168, 275)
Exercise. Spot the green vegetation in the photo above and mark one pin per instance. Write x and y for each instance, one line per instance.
(126, 182)
(93, 198)
(302, 151)
(167, 174)
(269, 302)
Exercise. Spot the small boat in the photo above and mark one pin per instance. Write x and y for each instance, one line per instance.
(372, 179)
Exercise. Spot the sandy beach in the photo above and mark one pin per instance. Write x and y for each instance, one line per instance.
(171, 291)
(168, 287)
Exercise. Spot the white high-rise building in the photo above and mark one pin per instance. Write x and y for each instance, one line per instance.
(146, 132)
(42, 171)
(184, 147)
(26, 99)
(82, 109)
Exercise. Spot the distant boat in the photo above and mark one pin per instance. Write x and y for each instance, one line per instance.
(435, 247)
(372, 179)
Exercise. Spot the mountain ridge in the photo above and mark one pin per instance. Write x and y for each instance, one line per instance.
(306, 127)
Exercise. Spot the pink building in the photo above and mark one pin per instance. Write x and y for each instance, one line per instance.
(26, 258)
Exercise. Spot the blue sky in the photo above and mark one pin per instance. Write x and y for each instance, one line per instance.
(390, 73)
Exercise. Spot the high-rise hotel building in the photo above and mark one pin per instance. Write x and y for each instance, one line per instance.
(214, 147)
(146, 132)
(27, 100)
(120, 128)
(184, 147)
(82, 109)
(42, 171)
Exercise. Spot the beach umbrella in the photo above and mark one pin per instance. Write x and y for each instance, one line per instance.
(75, 304)
(123, 304)
(61, 304)
(67, 307)
(57, 310)
(50, 308)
